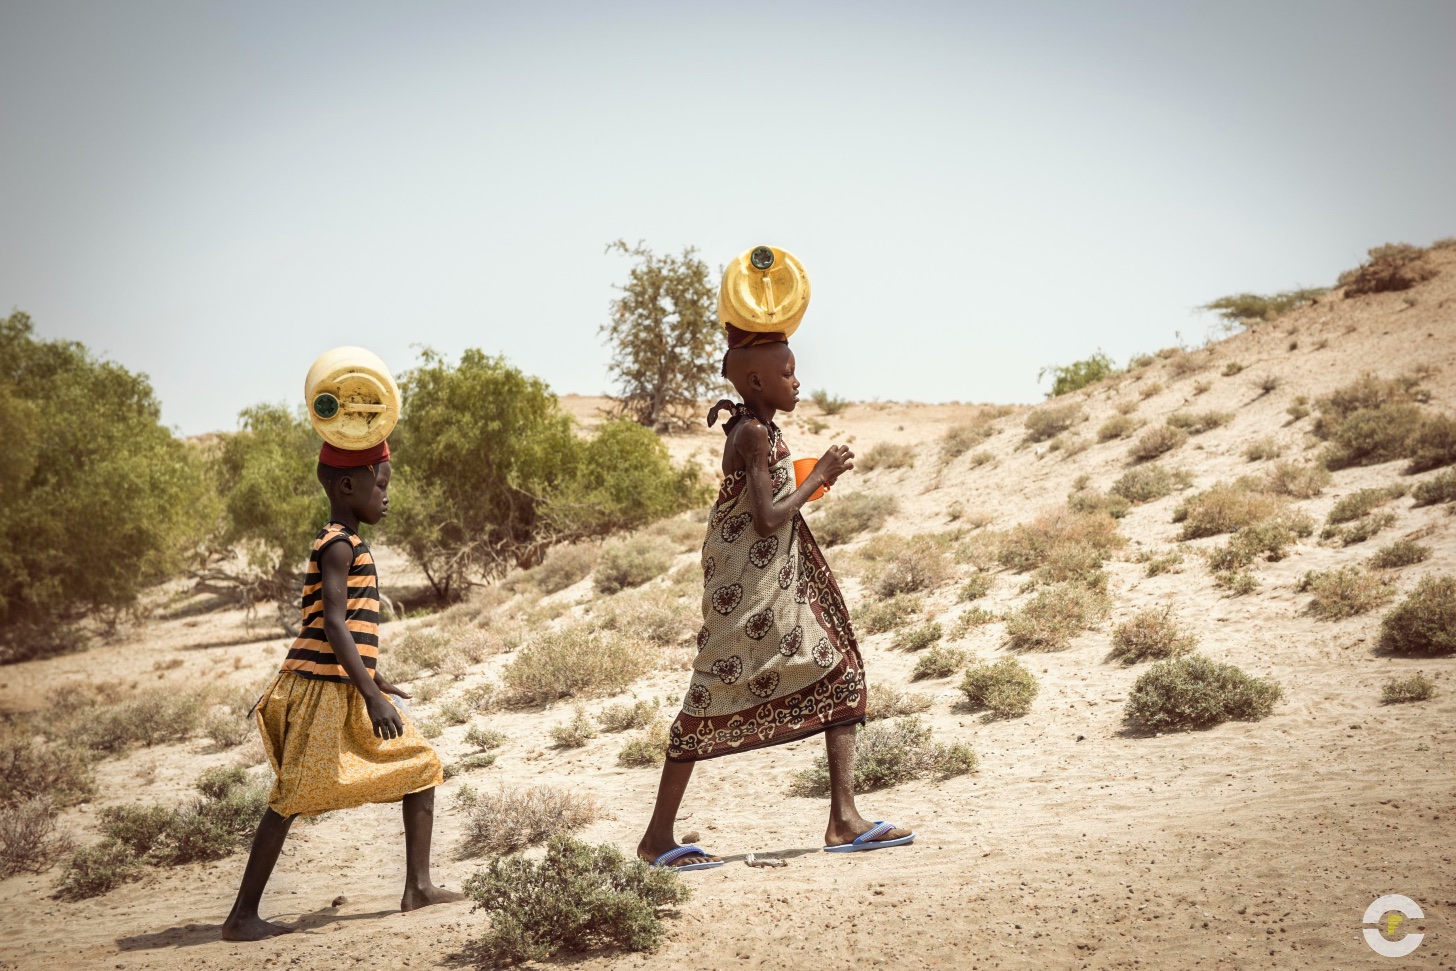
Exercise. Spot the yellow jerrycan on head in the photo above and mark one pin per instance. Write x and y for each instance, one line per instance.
(352, 399)
(764, 290)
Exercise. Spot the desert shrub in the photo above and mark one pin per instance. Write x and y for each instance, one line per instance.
(1357, 504)
(1006, 687)
(1092, 501)
(1261, 449)
(1151, 634)
(905, 564)
(981, 458)
(575, 660)
(1184, 363)
(976, 587)
(1298, 409)
(1054, 616)
(629, 563)
(1267, 540)
(887, 701)
(1126, 406)
(1069, 444)
(578, 898)
(1238, 582)
(1369, 421)
(574, 733)
(647, 747)
(658, 618)
(76, 429)
(1029, 545)
(508, 820)
(1249, 309)
(940, 661)
(1425, 621)
(480, 760)
(30, 768)
(217, 782)
(1438, 488)
(1079, 563)
(1297, 479)
(848, 516)
(1202, 387)
(960, 439)
(231, 723)
(828, 403)
(887, 455)
(971, 619)
(1051, 420)
(882, 615)
(624, 717)
(1158, 563)
(566, 565)
(421, 648)
(1197, 424)
(1434, 444)
(484, 739)
(1077, 375)
(1224, 507)
(1394, 266)
(149, 718)
(30, 841)
(1361, 529)
(1403, 552)
(917, 638)
(1149, 483)
(1417, 687)
(1139, 361)
(1156, 441)
(97, 869)
(1193, 691)
(1118, 426)
(1345, 592)
(887, 754)
(1231, 368)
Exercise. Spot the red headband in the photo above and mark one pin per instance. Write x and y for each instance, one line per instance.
(348, 458)
(751, 338)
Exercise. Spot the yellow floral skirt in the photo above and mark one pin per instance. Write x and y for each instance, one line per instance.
(325, 754)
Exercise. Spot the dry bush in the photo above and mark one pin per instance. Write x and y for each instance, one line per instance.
(1298, 409)
(566, 565)
(1357, 504)
(1231, 368)
(1197, 424)
(1345, 592)
(1140, 361)
(917, 638)
(960, 439)
(1261, 449)
(1434, 444)
(1202, 387)
(888, 753)
(1029, 545)
(886, 455)
(572, 661)
(658, 617)
(1394, 266)
(1156, 441)
(421, 649)
(149, 718)
(1075, 563)
(887, 701)
(1266, 540)
(1403, 552)
(1193, 692)
(975, 587)
(30, 841)
(1425, 621)
(1360, 530)
(1369, 421)
(1006, 688)
(1054, 616)
(1437, 489)
(1151, 633)
(880, 616)
(625, 717)
(682, 533)
(1297, 479)
(848, 516)
(969, 620)
(1185, 363)
(1417, 687)
(1126, 406)
(579, 898)
(31, 768)
(1157, 563)
(629, 562)
(485, 739)
(1238, 583)
(647, 747)
(1090, 500)
(1049, 421)
(1118, 426)
(827, 403)
(940, 661)
(901, 564)
(512, 819)
(574, 733)
(1151, 388)
(1227, 507)
(231, 723)
(1069, 444)
(1149, 483)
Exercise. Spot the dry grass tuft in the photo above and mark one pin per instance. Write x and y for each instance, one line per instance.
(887, 701)
(625, 717)
(648, 747)
(513, 819)
(1200, 422)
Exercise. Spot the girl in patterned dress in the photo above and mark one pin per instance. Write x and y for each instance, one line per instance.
(332, 737)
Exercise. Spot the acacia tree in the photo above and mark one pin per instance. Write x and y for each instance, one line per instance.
(664, 335)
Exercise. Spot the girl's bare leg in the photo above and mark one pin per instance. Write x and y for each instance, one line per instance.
(243, 923)
(419, 827)
(845, 822)
(659, 837)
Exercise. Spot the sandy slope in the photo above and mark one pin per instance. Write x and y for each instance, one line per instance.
(1075, 844)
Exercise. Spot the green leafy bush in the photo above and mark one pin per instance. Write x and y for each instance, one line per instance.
(888, 753)
(1425, 621)
(1434, 445)
(578, 898)
(100, 499)
(1194, 692)
(1006, 687)
(1077, 375)
(848, 516)
(1438, 488)
(1151, 633)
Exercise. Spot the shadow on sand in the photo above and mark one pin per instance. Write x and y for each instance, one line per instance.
(191, 935)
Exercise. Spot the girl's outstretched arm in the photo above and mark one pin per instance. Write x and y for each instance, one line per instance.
(334, 564)
(750, 440)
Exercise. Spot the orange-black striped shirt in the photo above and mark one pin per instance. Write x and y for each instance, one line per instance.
(311, 654)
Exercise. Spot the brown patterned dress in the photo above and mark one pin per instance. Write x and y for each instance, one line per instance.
(777, 658)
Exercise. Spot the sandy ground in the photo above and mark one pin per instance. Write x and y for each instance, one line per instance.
(1075, 844)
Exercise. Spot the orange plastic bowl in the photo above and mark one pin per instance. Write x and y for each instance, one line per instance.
(802, 468)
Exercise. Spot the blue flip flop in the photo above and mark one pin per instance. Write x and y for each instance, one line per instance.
(665, 860)
(867, 841)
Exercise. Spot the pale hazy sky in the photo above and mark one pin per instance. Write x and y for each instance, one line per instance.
(214, 193)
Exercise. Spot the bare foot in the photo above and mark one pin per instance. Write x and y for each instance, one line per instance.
(252, 929)
(414, 899)
(839, 834)
(653, 853)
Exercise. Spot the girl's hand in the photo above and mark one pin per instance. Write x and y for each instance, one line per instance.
(384, 716)
(387, 687)
(838, 460)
